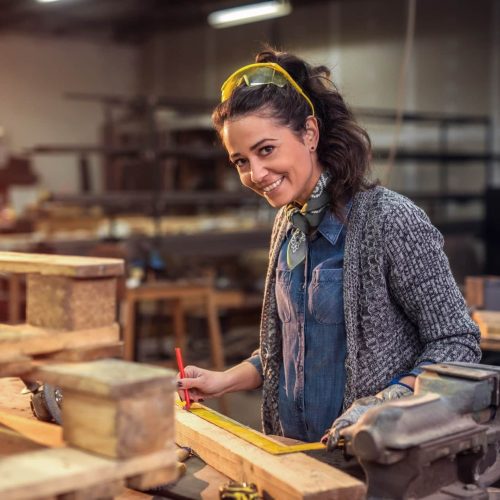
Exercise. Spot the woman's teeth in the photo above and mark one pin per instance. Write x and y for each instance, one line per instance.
(272, 186)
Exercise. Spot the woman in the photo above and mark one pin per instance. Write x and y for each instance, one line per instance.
(359, 294)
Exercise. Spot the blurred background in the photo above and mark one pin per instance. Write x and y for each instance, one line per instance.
(106, 146)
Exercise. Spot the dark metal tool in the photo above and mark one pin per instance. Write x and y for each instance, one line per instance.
(46, 401)
(441, 443)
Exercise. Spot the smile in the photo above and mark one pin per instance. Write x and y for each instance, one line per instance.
(273, 186)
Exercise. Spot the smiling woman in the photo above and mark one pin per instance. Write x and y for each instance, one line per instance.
(271, 159)
(359, 294)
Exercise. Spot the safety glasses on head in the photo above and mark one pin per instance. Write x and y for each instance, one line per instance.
(261, 74)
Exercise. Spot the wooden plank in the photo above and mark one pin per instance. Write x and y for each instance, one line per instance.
(12, 442)
(489, 323)
(64, 303)
(19, 340)
(151, 479)
(108, 377)
(101, 491)
(12, 398)
(128, 494)
(86, 353)
(474, 291)
(41, 433)
(60, 265)
(16, 366)
(58, 471)
(294, 476)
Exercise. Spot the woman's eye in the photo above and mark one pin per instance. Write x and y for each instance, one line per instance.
(239, 163)
(267, 150)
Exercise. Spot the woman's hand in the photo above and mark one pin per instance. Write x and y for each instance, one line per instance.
(358, 409)
(203, 384)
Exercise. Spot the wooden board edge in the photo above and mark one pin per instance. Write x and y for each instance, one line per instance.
(99, 470)
(43, 341)
(293, 476)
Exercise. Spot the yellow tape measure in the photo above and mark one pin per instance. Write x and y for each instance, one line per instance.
(247, 433)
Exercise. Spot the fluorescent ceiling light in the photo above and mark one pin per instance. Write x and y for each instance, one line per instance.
(249, 13)
(47, 1)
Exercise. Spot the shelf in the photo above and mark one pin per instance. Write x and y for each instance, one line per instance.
(423, 117)
(131, 199)
(435, 156)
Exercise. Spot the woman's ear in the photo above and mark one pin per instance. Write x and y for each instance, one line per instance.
(311, 133)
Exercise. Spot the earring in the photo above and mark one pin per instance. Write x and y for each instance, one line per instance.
(312, 148)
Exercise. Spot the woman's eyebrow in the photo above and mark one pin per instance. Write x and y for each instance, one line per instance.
(252, 148)
(257, 144)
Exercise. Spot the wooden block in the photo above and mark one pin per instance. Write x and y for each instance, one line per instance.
(489, 323)
(113, 407)
(100, 491)
(119, 428)
(64, 303)
(474, 291)
(67, 470)
(151, 479)
(19, 340)
(293, 476)
(60, 265)
(112, 378)
(87, 353)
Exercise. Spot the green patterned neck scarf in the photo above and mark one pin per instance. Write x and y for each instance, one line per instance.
(306, 219)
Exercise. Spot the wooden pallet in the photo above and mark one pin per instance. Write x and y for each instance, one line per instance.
(35, 463)
(117, 430)
(70, 311)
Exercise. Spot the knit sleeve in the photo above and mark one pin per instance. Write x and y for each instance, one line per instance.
(421, 282)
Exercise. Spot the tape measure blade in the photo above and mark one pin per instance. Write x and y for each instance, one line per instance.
(248, 434)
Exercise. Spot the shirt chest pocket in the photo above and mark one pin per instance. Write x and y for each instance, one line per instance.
(283, 299)
(326, 301)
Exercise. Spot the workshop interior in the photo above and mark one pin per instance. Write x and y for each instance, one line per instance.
(131, 249)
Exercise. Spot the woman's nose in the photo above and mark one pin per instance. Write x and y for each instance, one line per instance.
(257, 171)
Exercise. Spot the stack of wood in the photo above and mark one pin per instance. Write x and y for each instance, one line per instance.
(118, 421)
(70, 311)
(118, 417)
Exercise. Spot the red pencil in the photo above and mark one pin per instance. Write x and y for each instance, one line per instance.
(180, 364)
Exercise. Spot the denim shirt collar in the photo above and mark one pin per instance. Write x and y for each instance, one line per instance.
(331, 226)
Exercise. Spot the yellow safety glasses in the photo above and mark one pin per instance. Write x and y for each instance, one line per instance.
(261, 74)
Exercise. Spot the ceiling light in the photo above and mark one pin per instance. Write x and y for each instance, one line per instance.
(47, 1)
(249, 13)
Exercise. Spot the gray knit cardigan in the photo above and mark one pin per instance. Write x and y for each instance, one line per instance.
(401, 303)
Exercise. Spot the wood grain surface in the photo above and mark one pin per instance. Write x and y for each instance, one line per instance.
(60, 265)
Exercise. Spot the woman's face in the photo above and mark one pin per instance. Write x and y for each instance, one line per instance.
(271, 159)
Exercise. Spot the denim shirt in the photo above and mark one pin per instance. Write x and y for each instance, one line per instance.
(311, 310)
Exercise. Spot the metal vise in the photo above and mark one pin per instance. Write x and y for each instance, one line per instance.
(441, 443)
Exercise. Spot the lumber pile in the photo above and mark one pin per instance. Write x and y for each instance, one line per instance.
(118, 417)
(70, 311)
(118, 420)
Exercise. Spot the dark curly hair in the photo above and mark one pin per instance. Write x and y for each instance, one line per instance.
(344, 147)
